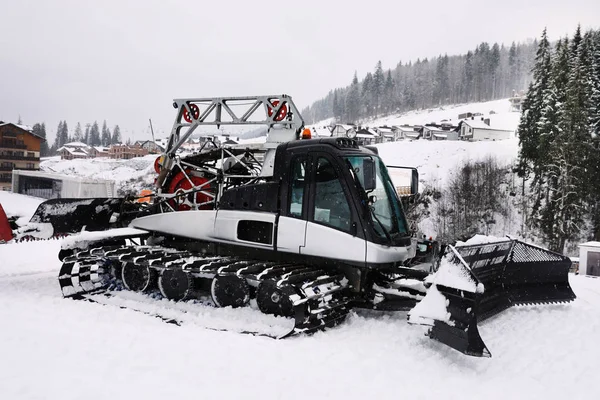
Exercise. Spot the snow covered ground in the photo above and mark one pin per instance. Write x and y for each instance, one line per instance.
(19, 206)
(55, 348)
(498, 111)
(435, 160)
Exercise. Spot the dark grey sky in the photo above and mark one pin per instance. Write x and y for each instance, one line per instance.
(124, 61)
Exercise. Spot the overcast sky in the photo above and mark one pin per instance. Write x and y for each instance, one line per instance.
(124, 61)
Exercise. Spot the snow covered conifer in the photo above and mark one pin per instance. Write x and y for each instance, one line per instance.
(78, 135)
(105, 134)
(352, 100)
(528, 130)
(116, 135)
(94, 135)
(378, 87)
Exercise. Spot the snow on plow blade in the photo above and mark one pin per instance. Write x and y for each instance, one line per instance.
(66, 216)
(478, 281)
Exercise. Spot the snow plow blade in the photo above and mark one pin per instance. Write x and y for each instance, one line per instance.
(479, 281)
(67, 216)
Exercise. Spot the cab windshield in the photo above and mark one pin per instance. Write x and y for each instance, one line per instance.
(386, 211)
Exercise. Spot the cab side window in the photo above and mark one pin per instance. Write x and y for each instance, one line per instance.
(297, 187)
(331, 205)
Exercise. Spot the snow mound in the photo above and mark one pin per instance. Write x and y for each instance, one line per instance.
(482, 239)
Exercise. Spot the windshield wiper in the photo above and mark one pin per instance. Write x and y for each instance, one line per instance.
(385, 232)
(357, 182)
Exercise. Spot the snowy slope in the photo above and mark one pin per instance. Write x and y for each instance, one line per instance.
(138, 171)
(436, 159)
(501, 117)
(55, 348)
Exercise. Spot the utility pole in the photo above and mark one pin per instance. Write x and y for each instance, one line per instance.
(151, 130)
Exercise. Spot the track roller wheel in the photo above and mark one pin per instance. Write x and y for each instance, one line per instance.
(116, 269)
(138, 278)
(229, 290)
(64, 253)
(176, 284)
(272, 300)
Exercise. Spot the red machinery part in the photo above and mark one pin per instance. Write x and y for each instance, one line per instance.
(282, 111)
(195, 113)
(157, 165)
(180, 182)
(5, 230)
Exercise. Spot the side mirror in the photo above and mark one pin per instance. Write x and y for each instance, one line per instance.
(405, 180)
(414, 182)
(369, 174)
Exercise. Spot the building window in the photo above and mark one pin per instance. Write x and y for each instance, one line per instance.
(30, 166)
(31, 154)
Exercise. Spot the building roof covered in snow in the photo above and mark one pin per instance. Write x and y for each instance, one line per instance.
(74, 151)
(321, 131)
(479, 124)
(26, 128)
(346, 127)
(75, 144)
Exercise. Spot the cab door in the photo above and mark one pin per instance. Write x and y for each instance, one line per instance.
(333, 226)
(291, 227)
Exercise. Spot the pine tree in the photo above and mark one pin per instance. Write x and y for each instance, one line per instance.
(367, 95)
(494, 63)
(468, 77)
(106, 137)
(513, 65)
(547, 181)
(588, 54)
(528, 131)
(388, 93)
(78, 135)
(568, 166)
(353, 100)
(337, 107)
(378, 87)
(64, 133)
(95, 139)
(40, 130)
(441, 84)
(44, 149)
(57, 139)
(116, 136)
(86, 137)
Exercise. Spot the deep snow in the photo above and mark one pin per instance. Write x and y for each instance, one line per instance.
(51, 347)
(56, 348)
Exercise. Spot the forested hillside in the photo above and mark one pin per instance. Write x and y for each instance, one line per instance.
(559, 136)
(486, 73)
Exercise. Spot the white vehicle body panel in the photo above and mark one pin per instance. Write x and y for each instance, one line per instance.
(190, 224)
(326, 242)
(226, 226)
(379, 254)
(291, 234)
